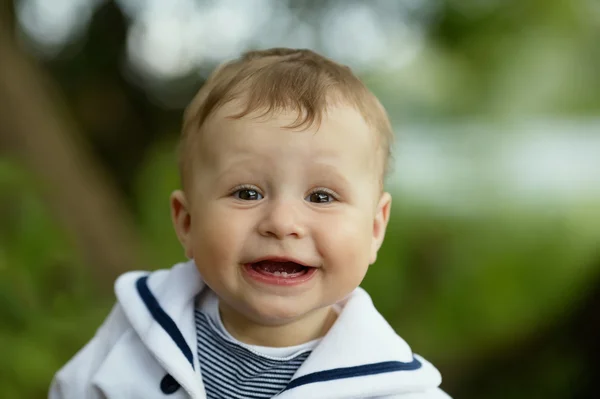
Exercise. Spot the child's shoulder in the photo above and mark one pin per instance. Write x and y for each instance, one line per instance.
(148, 321)
(180, 279)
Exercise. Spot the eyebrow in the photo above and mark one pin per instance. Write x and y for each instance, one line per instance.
(236, 167)
(330, 169)
(319, 168)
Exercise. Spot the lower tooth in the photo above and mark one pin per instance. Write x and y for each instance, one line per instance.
(284, 274)
(277, 273)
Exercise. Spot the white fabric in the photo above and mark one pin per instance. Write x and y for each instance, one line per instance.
(208, 304)
(131, 352)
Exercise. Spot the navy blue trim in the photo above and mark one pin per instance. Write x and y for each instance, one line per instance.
(163, 318)
(356, 371)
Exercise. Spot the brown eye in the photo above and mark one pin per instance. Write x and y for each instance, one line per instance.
(320, 197)
(247, 194)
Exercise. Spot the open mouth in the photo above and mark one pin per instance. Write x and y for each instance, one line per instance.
(279, 272)
(279, 269)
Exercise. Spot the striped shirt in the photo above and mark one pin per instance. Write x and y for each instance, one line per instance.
(232, 369)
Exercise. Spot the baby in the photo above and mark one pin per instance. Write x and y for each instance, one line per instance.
(281, 212)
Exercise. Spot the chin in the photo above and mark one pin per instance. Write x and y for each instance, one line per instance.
(279, 310)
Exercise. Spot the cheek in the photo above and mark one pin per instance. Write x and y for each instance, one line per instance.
(347, 245)
(217, 235)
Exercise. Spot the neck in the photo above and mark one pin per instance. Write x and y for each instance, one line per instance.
(310, 327)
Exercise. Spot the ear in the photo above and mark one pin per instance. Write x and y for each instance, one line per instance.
(380, 222)
(182, 221)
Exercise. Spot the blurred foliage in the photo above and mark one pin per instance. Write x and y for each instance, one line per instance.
(47, 301)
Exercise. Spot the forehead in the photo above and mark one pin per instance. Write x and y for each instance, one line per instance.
(342, 134)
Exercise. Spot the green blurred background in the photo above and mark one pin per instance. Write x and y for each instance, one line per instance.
(491, 266)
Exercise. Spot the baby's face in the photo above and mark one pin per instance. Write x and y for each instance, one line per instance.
(284, 222)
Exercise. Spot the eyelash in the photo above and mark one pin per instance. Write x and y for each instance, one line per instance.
(244, 187)
(327, 191)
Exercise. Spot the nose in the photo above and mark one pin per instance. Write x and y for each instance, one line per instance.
(281, 220)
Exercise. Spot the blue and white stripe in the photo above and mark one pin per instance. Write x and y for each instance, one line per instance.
(229, 370)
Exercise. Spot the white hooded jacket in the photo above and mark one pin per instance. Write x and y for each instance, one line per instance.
(146, 348)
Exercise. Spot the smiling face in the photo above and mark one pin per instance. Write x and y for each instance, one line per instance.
(260, 190)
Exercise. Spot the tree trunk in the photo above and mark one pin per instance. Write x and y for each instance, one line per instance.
(36, 128)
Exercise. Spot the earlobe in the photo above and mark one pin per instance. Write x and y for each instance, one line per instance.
(380, 223)
(182, 220)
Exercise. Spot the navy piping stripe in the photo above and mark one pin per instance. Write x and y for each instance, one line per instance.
(163, 318)
(356, 371)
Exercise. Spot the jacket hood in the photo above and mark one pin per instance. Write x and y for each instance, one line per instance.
(361, 355)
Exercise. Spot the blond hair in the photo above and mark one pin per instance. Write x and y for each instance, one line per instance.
(282, 79)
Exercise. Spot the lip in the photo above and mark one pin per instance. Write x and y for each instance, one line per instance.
(277, 280)
(280, 259)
